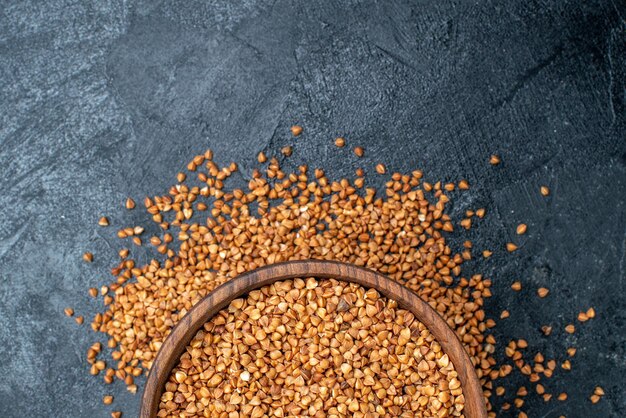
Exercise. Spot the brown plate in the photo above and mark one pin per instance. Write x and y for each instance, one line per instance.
(174, 345)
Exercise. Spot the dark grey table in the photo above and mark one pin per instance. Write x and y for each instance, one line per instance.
(100, 100)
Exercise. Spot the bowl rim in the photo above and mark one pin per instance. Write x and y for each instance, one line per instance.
(184, 331)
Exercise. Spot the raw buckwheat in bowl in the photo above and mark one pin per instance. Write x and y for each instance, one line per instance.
(312, 339)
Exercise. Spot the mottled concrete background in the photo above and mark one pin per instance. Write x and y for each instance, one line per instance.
(104, 99)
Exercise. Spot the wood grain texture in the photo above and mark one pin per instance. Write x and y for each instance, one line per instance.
(173, 347)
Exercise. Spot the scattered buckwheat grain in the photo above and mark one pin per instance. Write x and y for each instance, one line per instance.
(494, 160)
(296, 130)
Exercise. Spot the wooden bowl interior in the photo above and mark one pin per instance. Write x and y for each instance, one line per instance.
(174, 345)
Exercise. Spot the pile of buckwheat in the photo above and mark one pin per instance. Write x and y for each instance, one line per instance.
(211, 232)
(397, 231)
(313, 348)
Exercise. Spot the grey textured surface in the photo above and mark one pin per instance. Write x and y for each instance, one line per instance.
(99, 100)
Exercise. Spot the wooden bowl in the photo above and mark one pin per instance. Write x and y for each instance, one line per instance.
(174, 345)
